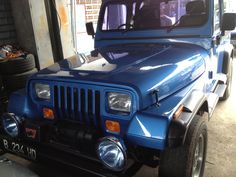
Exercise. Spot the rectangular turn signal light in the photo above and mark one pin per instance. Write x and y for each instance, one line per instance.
(178, 112)
(48, 113)
(112, 126)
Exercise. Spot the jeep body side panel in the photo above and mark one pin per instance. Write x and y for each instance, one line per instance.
(221, 51)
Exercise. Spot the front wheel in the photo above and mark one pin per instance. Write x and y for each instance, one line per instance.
(189, 159)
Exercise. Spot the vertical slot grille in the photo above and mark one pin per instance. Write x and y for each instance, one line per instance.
(90, 107)
(97, 108)
(77, 104)
(82, 104)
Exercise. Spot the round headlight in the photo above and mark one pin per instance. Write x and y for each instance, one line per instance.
(11, 124)
(112, 154)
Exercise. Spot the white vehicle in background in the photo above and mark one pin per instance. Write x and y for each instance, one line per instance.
(231, 8)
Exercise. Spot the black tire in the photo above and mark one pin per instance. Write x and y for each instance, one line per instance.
(2, 152)
(1, 85)
(179, 162)
(17, 65)
(17, 81)
(229, 81)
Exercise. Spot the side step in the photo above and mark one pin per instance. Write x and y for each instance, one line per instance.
(214, 97)
(212, 102)
(220, 90)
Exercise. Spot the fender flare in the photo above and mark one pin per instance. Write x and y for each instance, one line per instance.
(228, 53)
(194, 104)
(226, 62)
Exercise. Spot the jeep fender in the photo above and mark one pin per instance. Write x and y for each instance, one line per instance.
(18, 102)
(148, 130)
(195, 103)
(19, 105)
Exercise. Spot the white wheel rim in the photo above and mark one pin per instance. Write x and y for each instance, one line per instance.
(198, 157)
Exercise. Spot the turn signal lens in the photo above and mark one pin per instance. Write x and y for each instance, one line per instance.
(178, 112)
(48, 113)
(112, 126)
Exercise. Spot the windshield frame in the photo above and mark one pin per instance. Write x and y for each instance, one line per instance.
(130, 2)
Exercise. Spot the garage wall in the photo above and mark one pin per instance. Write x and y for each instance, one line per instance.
(92, 8)
(23, 24)
(7, 27)
(32, 30)
(64, 18)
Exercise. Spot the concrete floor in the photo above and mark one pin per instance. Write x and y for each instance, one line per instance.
(221, 157)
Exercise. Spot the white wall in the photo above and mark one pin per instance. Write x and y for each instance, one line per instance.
(41, 33)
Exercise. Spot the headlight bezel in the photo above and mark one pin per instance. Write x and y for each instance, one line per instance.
(111, 110)
(15, 120)
(42, 85)
(118, 146)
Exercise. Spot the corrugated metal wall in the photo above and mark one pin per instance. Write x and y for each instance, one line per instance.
(7, 27)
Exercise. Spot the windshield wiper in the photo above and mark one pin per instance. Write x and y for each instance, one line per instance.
(173, 26)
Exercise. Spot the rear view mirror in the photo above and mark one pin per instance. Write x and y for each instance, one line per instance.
(228, 22)
(90, 29)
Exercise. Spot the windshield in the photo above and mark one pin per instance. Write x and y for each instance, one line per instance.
(152, 14)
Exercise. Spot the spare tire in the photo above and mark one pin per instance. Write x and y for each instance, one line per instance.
(17, 81)
(17, 65)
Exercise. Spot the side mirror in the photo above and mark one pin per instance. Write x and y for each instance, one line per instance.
(90, 29)
(228, 22)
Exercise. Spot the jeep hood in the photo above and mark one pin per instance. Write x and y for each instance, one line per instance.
(166, 68)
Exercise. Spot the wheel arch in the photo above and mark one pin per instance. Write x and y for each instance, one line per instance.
(204, 108)
(227, 54)
(196, 105)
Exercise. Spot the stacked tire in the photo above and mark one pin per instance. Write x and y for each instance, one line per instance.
(16, 71)
(3, 99)
(1, 85)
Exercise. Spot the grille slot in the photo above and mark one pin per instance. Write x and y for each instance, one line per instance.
(77, 104)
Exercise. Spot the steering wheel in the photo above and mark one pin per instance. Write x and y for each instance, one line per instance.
(127, 25)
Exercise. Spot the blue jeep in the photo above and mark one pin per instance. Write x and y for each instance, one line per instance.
(157, 67)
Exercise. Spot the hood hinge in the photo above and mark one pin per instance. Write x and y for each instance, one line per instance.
(155, 93)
